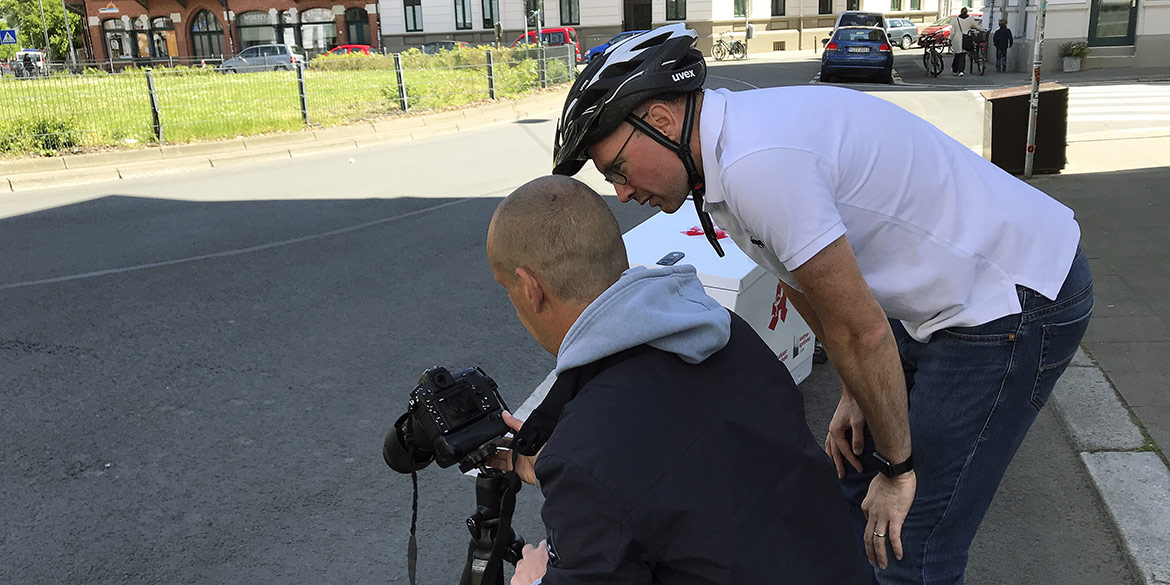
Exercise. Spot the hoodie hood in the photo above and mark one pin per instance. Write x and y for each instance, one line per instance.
(665, 308)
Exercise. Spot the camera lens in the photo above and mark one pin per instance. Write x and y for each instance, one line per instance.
(396, 450)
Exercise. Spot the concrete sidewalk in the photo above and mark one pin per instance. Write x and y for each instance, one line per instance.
(1113, 400)
(34, 173)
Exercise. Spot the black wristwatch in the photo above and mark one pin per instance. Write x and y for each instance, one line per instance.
(891, 470)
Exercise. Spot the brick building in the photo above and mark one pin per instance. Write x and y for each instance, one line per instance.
(143, 31)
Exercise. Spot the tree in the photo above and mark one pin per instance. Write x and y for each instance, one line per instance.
(26, 16)
(6, 51)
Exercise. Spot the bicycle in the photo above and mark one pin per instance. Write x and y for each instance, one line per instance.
(979, 53)
(932, 59)
(736, 49)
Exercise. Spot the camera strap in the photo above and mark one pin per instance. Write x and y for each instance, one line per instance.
(493, 572)
(412, 545)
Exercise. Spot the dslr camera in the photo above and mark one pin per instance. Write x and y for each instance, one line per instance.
(449, 419)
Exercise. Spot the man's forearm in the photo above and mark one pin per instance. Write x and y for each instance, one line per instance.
(870, 368)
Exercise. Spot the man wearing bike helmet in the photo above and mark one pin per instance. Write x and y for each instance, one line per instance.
(949, 295)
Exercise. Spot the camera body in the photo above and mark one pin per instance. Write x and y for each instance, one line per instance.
(449, 419)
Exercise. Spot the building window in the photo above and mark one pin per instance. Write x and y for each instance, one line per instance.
(570, 12)
(413, 9)
(852, 4)
(255, 29)
(162, 38)
(676, 9)
(825, 7)
(462, 14)
(117, 40)
(491, 13)
(318, 31)
(206, 35)
(777, 7)
(915, 4)
(740, 8)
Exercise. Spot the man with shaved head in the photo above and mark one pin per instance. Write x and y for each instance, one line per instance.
(672, 447)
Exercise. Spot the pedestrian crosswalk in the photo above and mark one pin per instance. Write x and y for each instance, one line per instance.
(1133, 105)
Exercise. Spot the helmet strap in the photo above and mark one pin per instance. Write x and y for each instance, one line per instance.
(683, 149)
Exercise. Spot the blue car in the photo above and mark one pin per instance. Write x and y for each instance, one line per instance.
(599, 49)
(858, 50)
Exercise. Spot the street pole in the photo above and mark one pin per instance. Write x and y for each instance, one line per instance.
(69, 35)
(45, 27)
(1034, 102)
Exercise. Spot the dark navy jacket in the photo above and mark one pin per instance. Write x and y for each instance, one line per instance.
(660, 471)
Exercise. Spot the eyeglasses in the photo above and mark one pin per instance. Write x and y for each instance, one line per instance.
(612, 176)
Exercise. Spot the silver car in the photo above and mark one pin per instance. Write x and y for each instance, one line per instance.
(902, 32)
(265, 58)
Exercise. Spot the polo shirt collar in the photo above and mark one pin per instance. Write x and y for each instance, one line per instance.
(710, 135)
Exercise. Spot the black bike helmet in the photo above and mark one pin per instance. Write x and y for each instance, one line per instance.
(656, 62)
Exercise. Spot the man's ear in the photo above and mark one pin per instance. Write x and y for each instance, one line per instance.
(532, 289)
(664, 119)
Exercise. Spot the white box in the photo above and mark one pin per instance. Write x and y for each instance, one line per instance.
(735, 281)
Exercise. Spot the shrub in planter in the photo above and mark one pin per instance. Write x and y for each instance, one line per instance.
(1078, 49)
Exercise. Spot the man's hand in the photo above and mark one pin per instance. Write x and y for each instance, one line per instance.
(533, 565)
(885, 507)
(502, 460)
(846, 438)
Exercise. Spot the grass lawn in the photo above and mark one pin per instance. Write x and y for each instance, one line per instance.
(101, 110)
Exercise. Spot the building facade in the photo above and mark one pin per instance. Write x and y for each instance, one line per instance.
(1120, 33)
(140, 32)
(777, 24)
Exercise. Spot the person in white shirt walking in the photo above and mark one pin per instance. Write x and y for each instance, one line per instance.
(960, 26)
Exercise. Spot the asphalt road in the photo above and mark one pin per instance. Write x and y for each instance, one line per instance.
(196, 372)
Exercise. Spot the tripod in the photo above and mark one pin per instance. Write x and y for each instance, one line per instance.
(484, 525)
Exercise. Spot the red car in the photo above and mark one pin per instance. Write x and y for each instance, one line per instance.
(347, 49)
(552, 37)
(941, 28)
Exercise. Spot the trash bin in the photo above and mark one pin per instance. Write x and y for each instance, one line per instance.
(1005, 128)
(735, 281)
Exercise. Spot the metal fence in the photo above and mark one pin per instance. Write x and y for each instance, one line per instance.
(59, 111)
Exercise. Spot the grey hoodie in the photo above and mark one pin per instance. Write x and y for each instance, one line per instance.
(665, 308)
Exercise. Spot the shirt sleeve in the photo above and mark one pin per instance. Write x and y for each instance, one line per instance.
(785, 198)
(589, 535)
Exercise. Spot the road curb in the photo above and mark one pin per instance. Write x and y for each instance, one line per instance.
(30, 174)
(1134, 485)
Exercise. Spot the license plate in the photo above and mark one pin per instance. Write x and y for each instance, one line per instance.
(858, 49)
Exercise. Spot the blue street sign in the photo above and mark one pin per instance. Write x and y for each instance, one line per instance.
(7, 37)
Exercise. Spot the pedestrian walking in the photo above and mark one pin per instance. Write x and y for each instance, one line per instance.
(1002, 39)
(960, 42)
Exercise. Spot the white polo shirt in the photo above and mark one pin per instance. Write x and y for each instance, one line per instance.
(942, 236)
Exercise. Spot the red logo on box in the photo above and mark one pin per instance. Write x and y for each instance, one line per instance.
(779, 307)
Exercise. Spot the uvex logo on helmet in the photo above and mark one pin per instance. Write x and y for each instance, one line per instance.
(681, 75)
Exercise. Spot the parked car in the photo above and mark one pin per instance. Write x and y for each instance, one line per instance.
(552, 37)
(858, 50)
(347, 49)
(941, 28)
(26, 57)
(617, 39)
(902, 32)
(436, 47)
(264, 58)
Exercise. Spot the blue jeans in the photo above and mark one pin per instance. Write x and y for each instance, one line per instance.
(973, 394)
(1000, 59)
